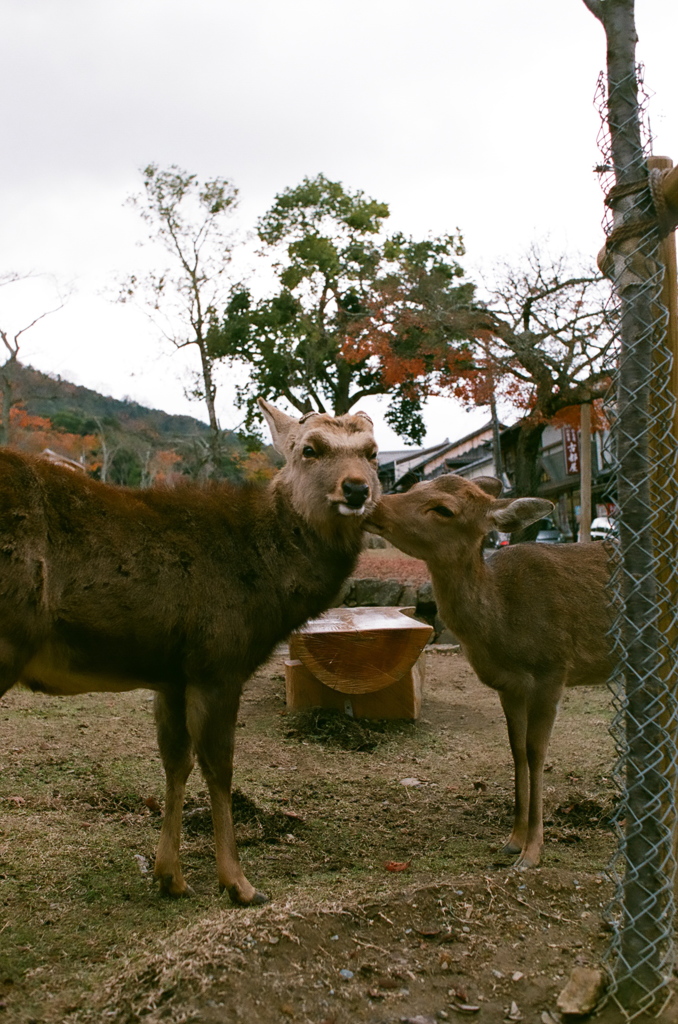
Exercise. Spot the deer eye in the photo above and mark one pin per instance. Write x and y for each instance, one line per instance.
(372, 455)
(443, 510)
(308, 452)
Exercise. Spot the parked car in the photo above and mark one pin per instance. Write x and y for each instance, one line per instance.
(549, 533)
(495, 540)
(604, 528)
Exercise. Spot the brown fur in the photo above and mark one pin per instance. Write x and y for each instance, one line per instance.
(182, 591)
(532, 619)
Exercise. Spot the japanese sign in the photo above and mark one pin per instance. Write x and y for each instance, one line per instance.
(571, 450)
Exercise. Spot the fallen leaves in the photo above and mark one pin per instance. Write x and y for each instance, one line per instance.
(397, 865)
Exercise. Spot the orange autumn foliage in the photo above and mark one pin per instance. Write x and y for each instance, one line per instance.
(257, 468)
(571, 417)
(30, 433)
(162, 467)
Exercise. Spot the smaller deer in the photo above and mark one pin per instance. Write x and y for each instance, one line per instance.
(531, 620)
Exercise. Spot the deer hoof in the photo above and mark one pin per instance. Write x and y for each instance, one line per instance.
(526, 861)
(510, 850)
(255, 900)
(168, 887)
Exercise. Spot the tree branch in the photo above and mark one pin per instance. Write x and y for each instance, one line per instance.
(596, 9)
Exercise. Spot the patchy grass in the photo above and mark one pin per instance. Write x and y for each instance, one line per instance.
(321, 811)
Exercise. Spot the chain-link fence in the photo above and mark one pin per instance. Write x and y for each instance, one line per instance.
(644, 581)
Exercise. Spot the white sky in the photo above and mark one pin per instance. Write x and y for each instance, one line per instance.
(477, 115)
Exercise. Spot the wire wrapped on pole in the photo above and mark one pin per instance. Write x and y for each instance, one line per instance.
(644, 594)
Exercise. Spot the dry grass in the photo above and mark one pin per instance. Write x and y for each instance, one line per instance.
(85, 937)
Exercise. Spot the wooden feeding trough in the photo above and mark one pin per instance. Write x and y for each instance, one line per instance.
(363, 661)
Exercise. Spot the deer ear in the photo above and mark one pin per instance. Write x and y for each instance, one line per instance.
(279, 424)
(519, 513)
(489, 484)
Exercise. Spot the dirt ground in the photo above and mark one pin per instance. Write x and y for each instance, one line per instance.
(389, 901)
(389, 563)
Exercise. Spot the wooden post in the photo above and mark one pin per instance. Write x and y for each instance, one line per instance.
(669, 296)
(668, 256)
(585, 473)
(669, 184)
(668, 528)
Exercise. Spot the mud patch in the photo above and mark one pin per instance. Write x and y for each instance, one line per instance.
(334, 729)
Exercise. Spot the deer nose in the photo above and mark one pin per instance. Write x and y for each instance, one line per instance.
(355, 492)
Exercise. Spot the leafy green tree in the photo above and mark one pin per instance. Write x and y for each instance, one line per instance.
(73, 422)
(126, 468)
(186, 217)
(355, 312)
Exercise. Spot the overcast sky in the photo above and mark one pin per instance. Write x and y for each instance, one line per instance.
(477, 115)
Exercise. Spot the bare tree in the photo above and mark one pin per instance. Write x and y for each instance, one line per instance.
(541, 345)
(555, 353)
(11, 342)
(186, 217)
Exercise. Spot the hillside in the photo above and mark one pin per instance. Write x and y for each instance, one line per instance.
(121, 441)
(45, 395)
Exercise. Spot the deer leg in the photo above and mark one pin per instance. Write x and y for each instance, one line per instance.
(542, 711)
(11, 663)
(177, 758)
(515, 712)
(211, 717)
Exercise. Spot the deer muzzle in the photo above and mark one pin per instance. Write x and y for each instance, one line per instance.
(356, 493)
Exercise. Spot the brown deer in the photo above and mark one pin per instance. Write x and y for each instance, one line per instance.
(184, 592)
(532, 619)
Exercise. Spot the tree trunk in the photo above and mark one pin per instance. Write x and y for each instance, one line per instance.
(7, 373)
(342, 402)
(209, 386)
(213, 468)
(496, 438)
(5, 388)
(527, 473)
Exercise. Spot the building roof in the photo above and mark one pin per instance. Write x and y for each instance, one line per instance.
(415, 461)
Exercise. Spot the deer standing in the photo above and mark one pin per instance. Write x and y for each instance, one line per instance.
(532, 619)
(184, 592)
